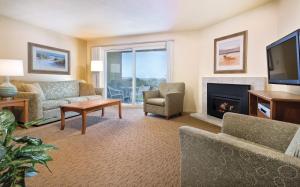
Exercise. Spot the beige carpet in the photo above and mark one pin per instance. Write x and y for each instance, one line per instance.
(133, 151)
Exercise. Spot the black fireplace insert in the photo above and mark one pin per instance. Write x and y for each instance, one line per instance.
(222, 98)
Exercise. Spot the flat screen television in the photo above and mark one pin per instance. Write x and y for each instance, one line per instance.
(283, 60)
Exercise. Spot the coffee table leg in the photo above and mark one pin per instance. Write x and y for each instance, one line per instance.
(102, 112)
(120, 111)
(83, 122)
(62, 113)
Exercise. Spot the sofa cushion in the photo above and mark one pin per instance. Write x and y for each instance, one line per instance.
(156, 101)
(94, 97)
(53, 104)
(75, 99)
(35, 88)
(60, 89)
(86, 89)
(19, 84)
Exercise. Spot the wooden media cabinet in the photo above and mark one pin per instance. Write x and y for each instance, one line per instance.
(283, 106)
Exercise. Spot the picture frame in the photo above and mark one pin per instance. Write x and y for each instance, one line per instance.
(230, 53)
(48, 60)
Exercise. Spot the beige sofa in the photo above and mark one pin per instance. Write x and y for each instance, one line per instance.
(250, 151)
(166, 101)
(45, 104)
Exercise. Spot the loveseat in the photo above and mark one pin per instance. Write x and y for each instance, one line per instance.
(45, 98)
(249, 151)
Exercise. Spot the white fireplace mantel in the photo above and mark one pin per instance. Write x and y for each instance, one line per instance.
(256, 83)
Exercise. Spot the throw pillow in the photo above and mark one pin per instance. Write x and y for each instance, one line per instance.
(35, 88)
(294, 147)
(86, 89)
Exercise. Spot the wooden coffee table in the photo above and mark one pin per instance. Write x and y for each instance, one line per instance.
(86, 107)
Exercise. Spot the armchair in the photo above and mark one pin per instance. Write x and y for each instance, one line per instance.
(167, 101)
(249, 151)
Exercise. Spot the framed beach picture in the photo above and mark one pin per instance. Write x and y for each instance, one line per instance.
(231, 53)
(48, 60)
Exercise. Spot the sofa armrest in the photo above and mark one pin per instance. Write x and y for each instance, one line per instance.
(271, 133)
(174, 103)
(99, 91)
(35, 104)
(211, 159)
(150, 94)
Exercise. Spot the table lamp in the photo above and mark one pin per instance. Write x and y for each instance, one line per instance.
(97, 66)
(8, 68)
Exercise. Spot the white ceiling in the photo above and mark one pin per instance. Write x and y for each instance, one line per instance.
(102, 18)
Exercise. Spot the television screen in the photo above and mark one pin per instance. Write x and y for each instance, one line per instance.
(283, 61)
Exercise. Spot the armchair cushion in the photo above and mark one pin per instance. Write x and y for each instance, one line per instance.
(165, 88)
(156, 101)
(150, 94)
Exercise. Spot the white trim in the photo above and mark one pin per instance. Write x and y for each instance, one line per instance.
(132, 43)
(170, 51)
(105, 74)
(134, 77)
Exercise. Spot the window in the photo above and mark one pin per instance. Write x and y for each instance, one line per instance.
(132, 69)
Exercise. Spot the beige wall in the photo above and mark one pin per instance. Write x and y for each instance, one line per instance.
(193, 50)
(289, 16)
(261, 24)
(14, 36)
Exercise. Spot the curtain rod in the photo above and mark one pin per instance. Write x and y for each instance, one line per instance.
(132, 43)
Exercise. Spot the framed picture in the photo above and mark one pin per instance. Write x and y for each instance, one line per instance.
(231, 53)
(48, 60)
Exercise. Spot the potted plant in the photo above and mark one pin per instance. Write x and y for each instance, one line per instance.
(19, 155)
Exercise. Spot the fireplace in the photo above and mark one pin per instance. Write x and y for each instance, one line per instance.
(222, 98)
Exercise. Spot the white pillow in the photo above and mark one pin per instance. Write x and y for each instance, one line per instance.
(294, 147)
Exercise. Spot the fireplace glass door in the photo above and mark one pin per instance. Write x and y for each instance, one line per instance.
(221, 105)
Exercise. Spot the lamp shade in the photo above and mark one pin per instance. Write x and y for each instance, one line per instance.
(10, 67)
(97, 65)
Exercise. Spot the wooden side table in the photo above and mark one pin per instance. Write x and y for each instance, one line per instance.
(23, 103)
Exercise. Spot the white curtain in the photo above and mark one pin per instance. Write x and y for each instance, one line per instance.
(170, 51)
(98, 54)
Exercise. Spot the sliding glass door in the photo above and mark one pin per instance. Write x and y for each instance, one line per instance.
(119, 75)
(151, 70)
(131, 72)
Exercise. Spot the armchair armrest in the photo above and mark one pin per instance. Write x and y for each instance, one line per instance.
(99, 91)
(212, 159)
(174, 102)
(271, 133)
(150, 94)
(35, 104)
